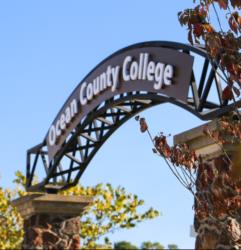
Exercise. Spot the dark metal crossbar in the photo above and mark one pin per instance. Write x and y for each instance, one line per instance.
(68, 165)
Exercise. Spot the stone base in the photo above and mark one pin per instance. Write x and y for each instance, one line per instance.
(51, 221)
(44, 231)
(218, 212)
(217, 207)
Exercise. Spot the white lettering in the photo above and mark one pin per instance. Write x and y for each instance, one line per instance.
(143, 68)
(150, 71)
(68, 115)
(83, 100)
(146, 56)
(159, 76)
(74, 109)
(57, 129)
(134, 71)
(103, 83)
(96, 86)
(168, 74)
(108, 73)
(115, 73)
(62, 122)
(125, 75)
(140, 66)
(52, 136)
(89, 92)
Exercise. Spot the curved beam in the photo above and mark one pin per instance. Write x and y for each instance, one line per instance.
(86, 127)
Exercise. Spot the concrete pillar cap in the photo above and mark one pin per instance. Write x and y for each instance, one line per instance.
(201, 143)
(40, 203)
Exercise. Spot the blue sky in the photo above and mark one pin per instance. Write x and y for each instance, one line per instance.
(46, 48)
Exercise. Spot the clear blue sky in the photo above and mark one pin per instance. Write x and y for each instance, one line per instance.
(46, 48)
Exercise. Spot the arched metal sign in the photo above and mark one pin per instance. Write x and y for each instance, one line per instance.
(152, 70)
(129, 81)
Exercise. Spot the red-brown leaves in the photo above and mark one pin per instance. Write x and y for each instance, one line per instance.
(227, 93)
(223, 46)
(183, 17)
(233, 131)
(217, 193)
(143, 125)
(194, 19)
(208, 28)
(213, 44)
(234, 21)
(236, 3)
(228, 131)
(162, 146)
(223, 4)
(218, 182)
(179, 155)
(215, 135)
(198, 29)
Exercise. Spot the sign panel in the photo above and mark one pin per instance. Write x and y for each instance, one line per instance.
(150, 69)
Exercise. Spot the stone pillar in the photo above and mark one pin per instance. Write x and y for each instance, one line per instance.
(217, 205)
(51, 221)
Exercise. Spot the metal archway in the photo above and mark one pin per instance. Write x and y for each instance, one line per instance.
(63, 168)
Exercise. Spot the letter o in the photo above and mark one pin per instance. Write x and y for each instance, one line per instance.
(134, 70)
(52, 136)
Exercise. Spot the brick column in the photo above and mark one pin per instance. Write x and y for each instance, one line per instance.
(51, 221)
(217, 222)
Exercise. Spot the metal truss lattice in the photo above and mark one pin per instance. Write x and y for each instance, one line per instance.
(204, 101)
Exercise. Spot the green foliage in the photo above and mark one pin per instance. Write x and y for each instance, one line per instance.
(147, 245)
(112, 209)
(124, 245)
(172, 247)
(11, 232)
